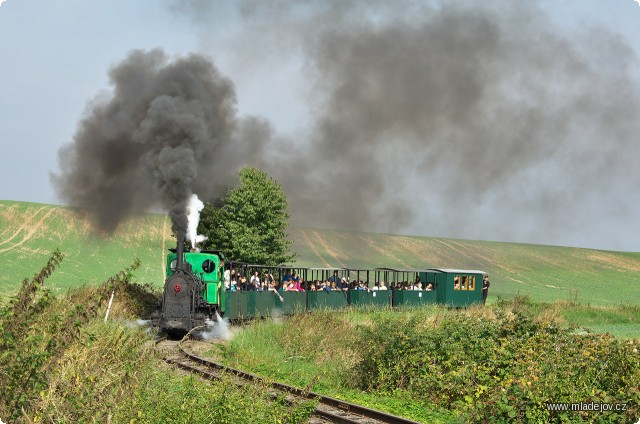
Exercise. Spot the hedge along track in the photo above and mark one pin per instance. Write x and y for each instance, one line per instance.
(328, 410)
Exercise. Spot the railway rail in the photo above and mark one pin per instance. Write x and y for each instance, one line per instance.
(328, 410)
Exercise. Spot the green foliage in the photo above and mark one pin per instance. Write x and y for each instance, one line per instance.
(502, 370)
(35, 330)
(135, 299)
(251, 222)
(24, 348)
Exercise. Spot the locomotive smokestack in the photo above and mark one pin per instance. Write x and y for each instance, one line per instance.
(180, 253)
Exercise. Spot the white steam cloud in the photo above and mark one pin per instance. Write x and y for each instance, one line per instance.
(218, 329)
(193, 215)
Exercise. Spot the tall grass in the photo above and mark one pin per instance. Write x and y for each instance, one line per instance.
(319, 351)
(60, 363)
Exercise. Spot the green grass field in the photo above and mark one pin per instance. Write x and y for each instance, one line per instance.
(29, 232)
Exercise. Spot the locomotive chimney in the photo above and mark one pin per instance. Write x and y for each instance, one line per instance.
(179, 252)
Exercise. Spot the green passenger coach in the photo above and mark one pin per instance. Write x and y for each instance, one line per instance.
(456, 287)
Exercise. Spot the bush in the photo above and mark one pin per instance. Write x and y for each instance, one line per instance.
(502, 370)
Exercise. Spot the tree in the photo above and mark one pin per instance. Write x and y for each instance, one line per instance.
(249, 223)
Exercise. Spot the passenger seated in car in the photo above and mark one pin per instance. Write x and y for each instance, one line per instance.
(342, 284)
(335, 279)
(287, 277)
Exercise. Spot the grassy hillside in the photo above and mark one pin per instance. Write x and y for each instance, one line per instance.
(29, 232)
(544, 273)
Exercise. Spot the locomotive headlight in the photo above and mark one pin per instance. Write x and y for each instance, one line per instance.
(173, 264)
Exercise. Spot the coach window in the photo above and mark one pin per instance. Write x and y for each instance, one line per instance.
(465, 282)
(472, 282)
(208, 266)
(456, 282)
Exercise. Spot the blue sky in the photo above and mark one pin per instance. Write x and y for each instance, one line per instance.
(55, 57)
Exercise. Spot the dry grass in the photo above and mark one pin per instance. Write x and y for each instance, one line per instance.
(95, 374)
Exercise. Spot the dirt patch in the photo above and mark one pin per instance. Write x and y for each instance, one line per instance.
(451, 245)
(312, 245)
(10, 212)
(421, 250)
(327, 248)
(34, 251)
(384, 252)
(32, 230)
(14, 216)
(614, 261)
(201, 348)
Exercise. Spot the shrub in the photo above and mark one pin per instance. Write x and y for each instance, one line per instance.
(502, 370)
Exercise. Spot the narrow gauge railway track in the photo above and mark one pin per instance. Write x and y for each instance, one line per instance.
(328, 410)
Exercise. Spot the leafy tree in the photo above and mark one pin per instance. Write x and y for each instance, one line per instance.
(249, 223)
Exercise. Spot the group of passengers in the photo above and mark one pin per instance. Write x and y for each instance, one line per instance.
(235, 281)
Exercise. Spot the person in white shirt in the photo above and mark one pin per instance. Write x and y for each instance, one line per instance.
(227, 277)
(255, 279)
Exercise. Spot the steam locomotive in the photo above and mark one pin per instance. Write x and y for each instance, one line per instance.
(193, 290)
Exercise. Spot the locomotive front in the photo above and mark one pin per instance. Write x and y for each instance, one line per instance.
(193, 292)
(178, 298)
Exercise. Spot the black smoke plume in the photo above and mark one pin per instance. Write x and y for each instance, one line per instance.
(455, 118)
(445, 118)
(161, 135)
